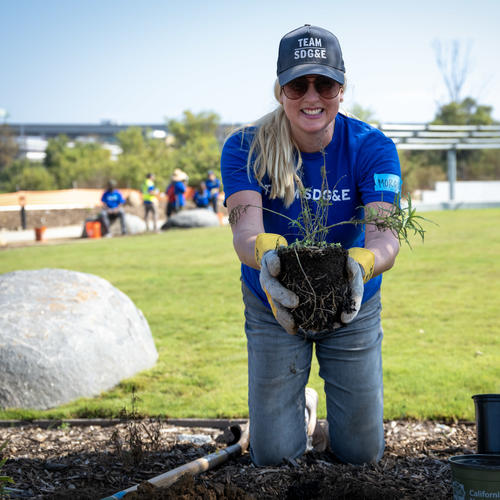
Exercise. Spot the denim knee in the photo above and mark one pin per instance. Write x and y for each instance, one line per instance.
(277, 426)
(358, 453)
(274, 452)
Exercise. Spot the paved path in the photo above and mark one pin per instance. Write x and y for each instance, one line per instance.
(51, 233)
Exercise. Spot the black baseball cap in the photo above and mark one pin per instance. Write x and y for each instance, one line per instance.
(310, 50)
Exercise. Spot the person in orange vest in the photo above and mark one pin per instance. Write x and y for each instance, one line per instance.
(149, 193)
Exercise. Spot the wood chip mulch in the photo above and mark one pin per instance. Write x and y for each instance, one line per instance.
(93, 462)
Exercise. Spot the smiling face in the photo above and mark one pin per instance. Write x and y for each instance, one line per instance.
(312, 117)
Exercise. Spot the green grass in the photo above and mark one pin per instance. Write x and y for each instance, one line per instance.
(440, 318)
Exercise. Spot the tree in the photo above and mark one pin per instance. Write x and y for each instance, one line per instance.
(22, 175)
(465, 112)
(141, 154)
(471, 164)
(195, 148)
(453, 62)
(77, 164)
(8, 146)
(364, 114)
(192, 126)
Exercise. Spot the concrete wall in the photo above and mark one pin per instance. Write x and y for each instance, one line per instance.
(465, 191)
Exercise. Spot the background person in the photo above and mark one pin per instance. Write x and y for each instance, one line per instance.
(213, 186)
(149, 193)
(261, 167)
(201, 196)
(112, 201)
(176, 192)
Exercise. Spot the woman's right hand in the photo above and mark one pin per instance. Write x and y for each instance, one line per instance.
(280, 298)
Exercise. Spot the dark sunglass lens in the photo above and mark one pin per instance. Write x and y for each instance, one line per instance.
(296, 88)
(326, 87)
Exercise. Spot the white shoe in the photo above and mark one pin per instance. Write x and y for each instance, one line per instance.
(311, 409)
(318, 436)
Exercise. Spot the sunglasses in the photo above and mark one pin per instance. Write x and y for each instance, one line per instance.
(324, 86)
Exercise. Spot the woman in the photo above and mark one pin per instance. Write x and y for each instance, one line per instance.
(261, 167)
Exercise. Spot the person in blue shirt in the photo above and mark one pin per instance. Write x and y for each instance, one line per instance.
(213, 186)
(176, 199)
(201, 196)
(302, 143)
(112, 201)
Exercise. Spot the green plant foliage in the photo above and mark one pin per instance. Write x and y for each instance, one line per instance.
(466, 112)
(193, 126)
(364, 114)
(141, 155)
(25, 175)
(68, 164)
(195, 147)
(312, 226)
(75, 164)
(8, 146)
(3, 479)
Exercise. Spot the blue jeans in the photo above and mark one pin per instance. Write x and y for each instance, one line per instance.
(278, 370)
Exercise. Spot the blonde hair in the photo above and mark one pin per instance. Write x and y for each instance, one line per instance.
(274, 152)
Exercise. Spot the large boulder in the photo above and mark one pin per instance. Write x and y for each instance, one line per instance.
(65, 335)
(197, 217)
(133, 224)
(134, 199)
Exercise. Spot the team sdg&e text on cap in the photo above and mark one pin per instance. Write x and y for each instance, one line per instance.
(310, 50)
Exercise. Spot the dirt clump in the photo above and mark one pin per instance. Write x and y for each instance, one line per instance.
(318, 275)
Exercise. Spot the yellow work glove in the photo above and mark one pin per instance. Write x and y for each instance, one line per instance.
(280, 298)
(360, 264)
(366, 259)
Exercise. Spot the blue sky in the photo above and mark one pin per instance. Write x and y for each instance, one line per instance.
(143, 61)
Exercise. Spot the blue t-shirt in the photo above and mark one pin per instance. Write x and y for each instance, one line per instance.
(112, 199)
(211, 184)
(201, 199)
(362, 166)
(179, 189)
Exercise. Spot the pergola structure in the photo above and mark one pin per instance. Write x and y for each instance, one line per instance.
(444, 137)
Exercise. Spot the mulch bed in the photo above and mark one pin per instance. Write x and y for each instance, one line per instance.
(93, 462)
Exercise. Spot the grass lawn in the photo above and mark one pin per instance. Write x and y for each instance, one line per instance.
(440, 317)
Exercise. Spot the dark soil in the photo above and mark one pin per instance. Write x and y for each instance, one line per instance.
(93, 462)
(319, 277)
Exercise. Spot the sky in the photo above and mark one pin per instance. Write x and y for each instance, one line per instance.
(147, 61)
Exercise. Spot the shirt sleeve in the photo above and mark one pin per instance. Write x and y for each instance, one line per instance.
(378, 169)
(234, 165)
